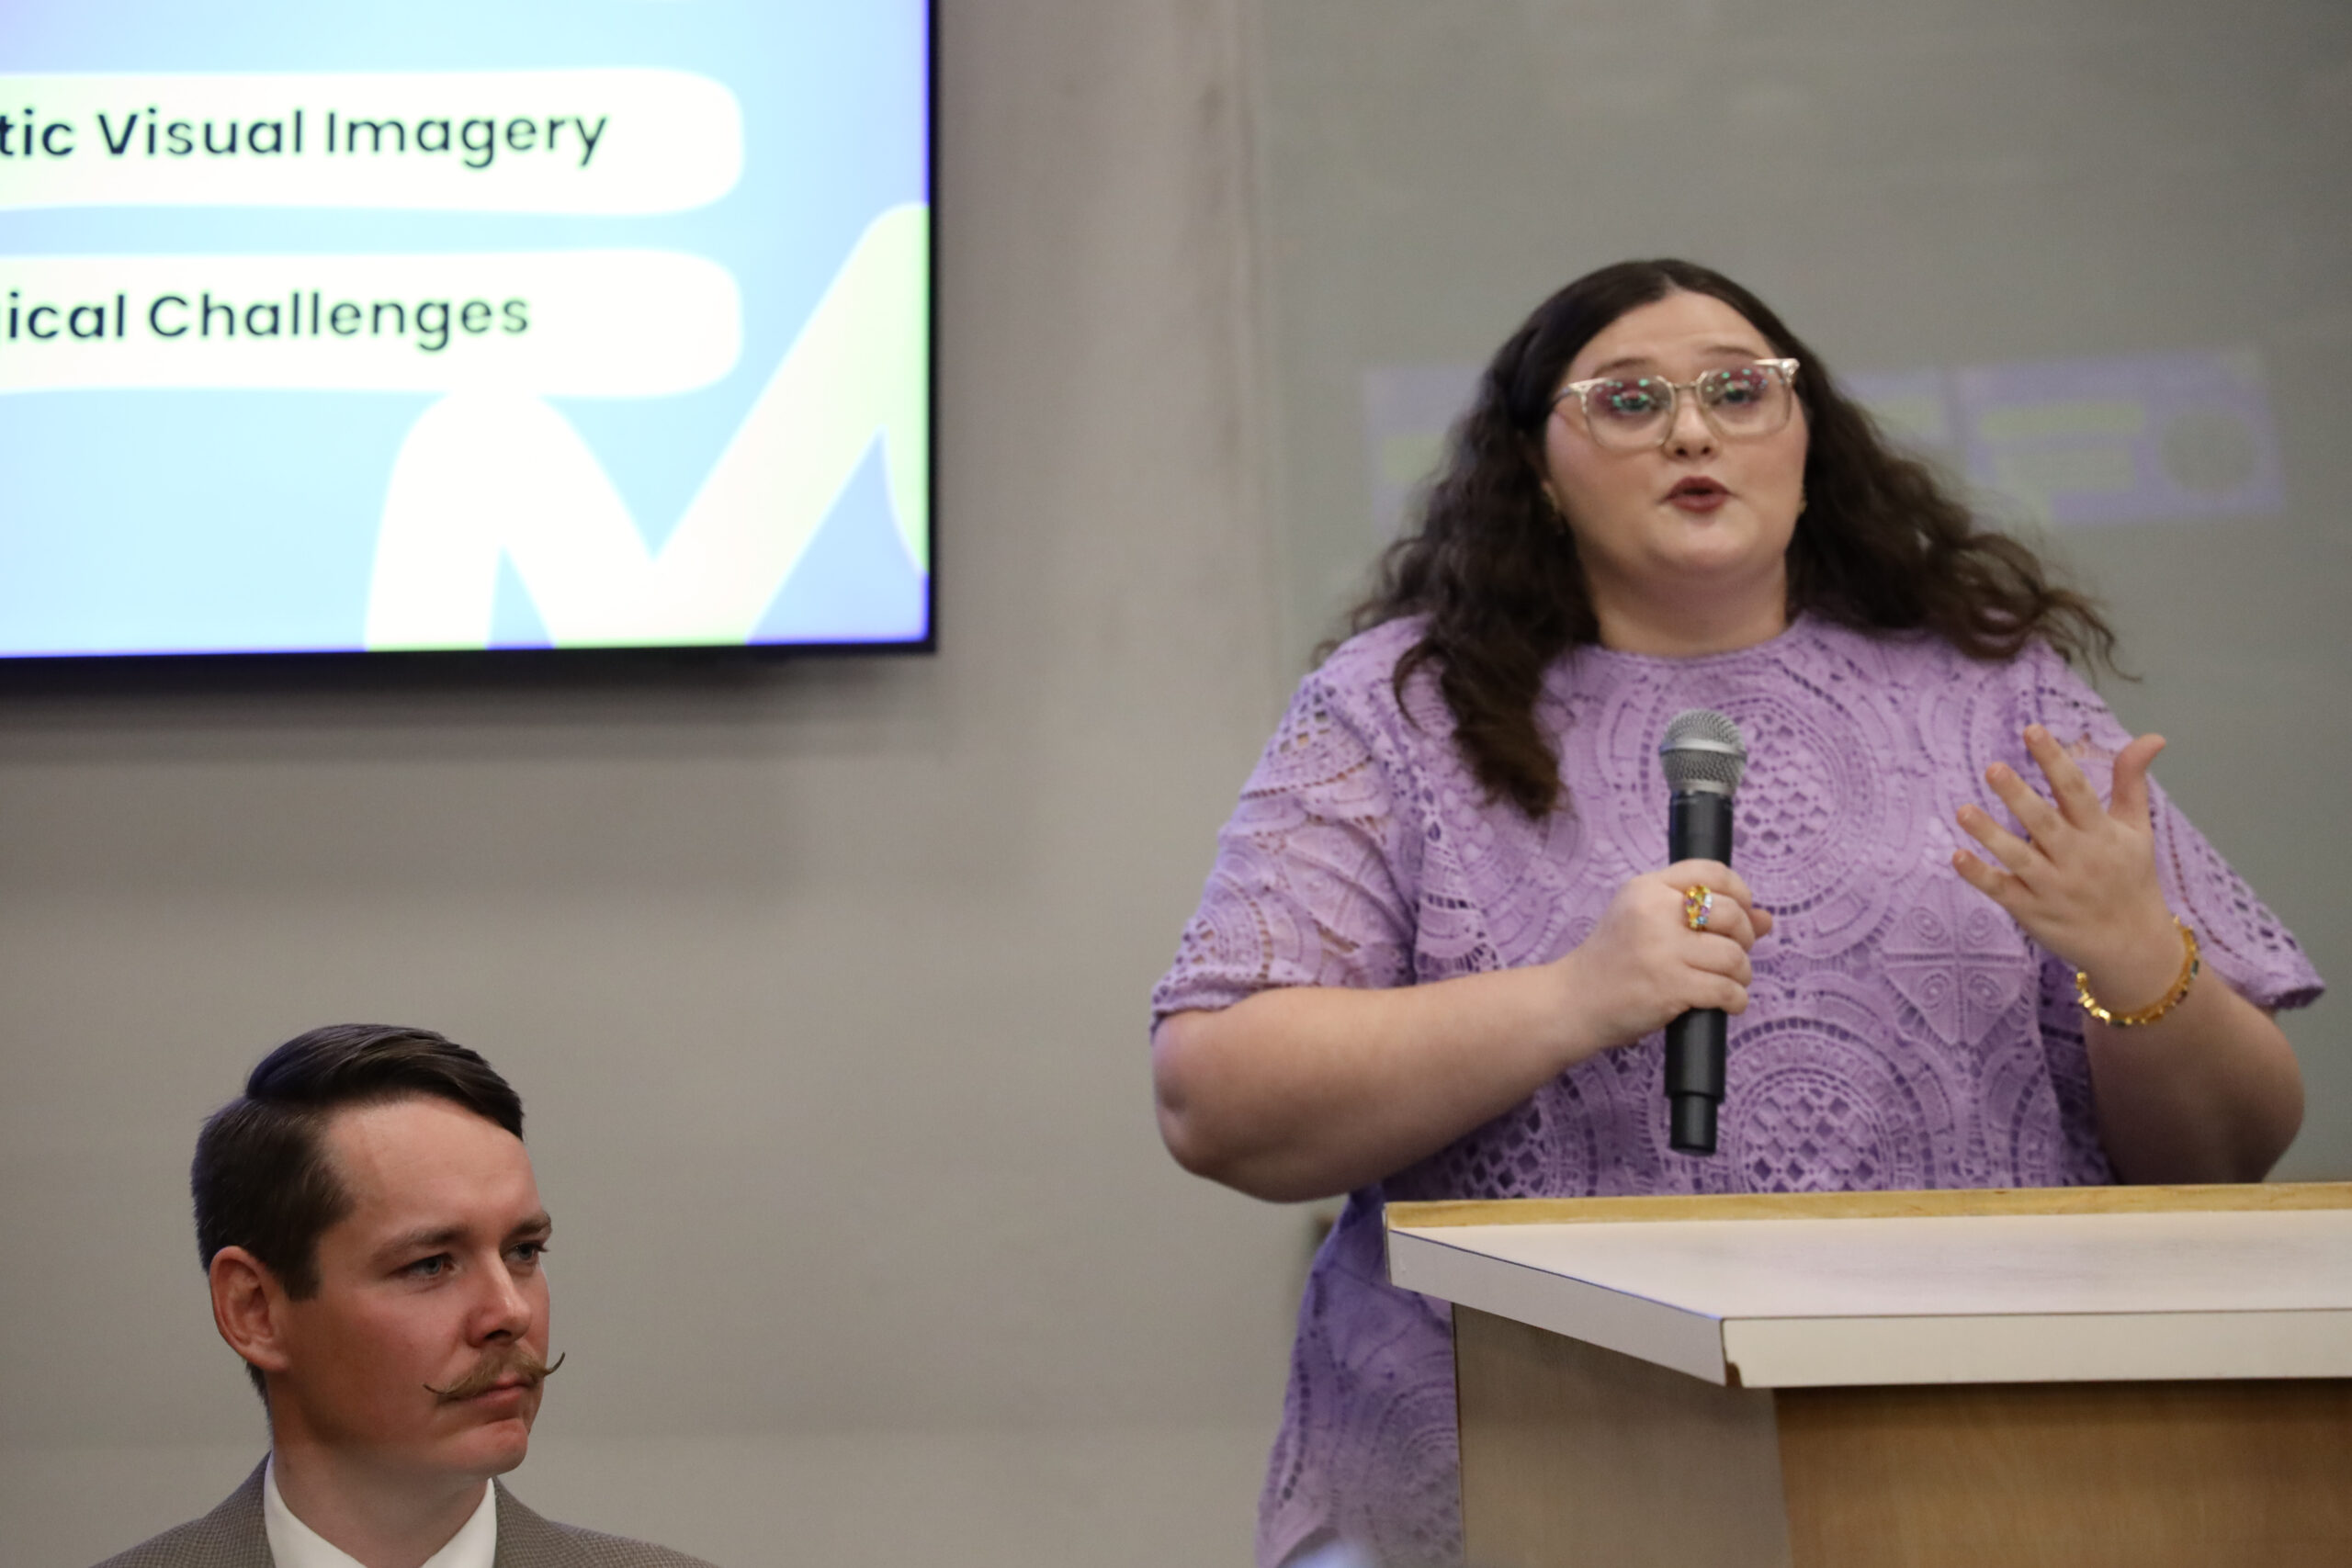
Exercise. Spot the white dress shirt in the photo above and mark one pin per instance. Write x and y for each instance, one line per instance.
(293, 1544)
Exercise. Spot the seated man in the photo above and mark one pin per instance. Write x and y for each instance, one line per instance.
(369, 1219)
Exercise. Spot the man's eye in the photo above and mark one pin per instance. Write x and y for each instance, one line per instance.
(528, 1252)
(431, 1267)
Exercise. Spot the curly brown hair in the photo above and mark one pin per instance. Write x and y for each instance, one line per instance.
(1881, 544)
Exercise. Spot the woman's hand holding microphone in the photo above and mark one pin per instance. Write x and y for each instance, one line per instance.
(1647, 963)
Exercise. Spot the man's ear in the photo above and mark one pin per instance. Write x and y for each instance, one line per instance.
(249, 1308)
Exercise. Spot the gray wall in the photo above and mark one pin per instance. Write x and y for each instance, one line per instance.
(826, 990)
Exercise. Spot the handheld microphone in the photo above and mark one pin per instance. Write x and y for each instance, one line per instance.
(1703, 757)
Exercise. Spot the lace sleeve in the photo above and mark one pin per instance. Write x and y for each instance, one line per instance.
(2244, 942)
(1307, 888)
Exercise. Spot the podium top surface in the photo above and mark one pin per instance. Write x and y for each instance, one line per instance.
(1915, 1288)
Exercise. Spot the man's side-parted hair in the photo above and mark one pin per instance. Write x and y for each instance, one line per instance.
(261, 1180)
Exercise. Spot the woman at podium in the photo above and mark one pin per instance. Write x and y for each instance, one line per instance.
(1969, 943)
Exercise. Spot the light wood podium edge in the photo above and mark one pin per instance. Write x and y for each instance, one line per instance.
(1952, 1201)
(2234, 1471)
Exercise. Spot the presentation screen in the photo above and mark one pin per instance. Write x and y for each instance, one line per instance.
(491, 324)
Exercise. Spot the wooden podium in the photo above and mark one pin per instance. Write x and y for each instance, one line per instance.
(2077, 1376)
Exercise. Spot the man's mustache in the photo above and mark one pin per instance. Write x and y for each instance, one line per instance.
(504, 1361)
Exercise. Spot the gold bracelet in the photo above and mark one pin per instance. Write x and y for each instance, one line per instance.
(2189, 964)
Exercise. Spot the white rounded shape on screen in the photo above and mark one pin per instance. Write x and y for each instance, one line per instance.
(568, 324)
(491, 482)
(605, 142)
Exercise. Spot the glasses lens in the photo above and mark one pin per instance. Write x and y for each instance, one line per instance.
(1628, 414)
(1753, 399)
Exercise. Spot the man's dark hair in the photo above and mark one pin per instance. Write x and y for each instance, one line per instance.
(261, 1180)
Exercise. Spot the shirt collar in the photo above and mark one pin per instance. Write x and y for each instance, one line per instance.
(293, 1544)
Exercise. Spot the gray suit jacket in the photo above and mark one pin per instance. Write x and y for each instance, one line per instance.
(233, 1536)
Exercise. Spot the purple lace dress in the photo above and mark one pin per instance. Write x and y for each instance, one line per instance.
(1902, 1031)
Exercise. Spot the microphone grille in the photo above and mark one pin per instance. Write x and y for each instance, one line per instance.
(1703, 750)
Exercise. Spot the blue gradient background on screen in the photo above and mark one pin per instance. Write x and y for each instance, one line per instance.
(164, 521)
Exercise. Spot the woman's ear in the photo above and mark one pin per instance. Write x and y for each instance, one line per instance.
(1533, 455)
(249, 1308)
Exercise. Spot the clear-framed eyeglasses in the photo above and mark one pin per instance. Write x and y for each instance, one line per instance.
(1740, 403)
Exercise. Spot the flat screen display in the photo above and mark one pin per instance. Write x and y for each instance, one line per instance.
(463, 324)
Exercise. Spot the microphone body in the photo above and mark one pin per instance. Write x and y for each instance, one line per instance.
(1703, 757)
(1698, 827)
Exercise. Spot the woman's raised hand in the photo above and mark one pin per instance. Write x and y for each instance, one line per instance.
(2082, 881)
(1643, 965)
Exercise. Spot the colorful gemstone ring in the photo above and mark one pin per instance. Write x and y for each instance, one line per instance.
(1697, 903)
